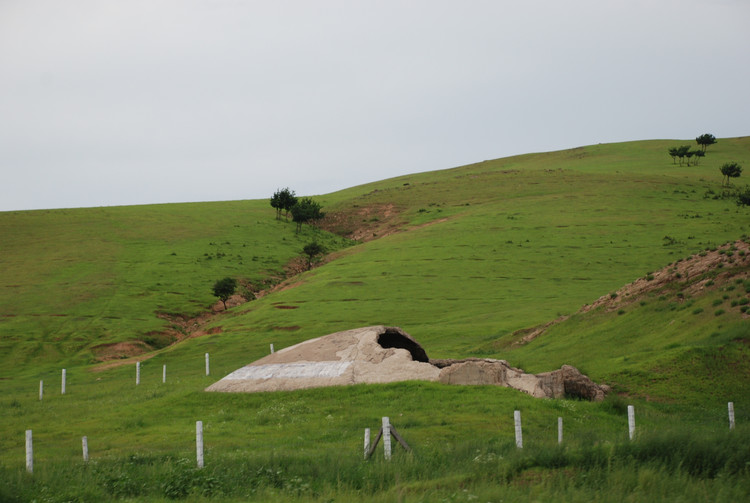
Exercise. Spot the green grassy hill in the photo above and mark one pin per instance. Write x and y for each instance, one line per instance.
(467, 260)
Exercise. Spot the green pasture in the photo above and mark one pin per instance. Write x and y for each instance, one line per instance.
(472, 255)
(74, 279)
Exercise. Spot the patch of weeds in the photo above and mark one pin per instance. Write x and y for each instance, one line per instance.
(621, 312)
(717, 302)
(719, 312)
(698, 310)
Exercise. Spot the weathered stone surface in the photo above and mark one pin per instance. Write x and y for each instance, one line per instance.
(375, 354)
(567, 381)
(382, 354)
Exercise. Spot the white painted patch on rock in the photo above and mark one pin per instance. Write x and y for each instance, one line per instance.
(290, 370)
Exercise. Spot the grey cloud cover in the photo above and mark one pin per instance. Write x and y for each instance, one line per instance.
(130, 102)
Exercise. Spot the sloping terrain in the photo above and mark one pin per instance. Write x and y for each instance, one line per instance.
(491, 260)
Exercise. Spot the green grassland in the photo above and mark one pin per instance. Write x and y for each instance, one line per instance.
(462, 259)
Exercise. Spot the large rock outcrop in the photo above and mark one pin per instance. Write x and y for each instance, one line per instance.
(382, 354)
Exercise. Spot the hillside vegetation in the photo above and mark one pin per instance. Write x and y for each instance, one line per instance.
(606, 257)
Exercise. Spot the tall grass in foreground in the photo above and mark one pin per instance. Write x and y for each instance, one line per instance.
(663, 466)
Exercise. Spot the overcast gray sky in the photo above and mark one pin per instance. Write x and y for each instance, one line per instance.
(108, 102)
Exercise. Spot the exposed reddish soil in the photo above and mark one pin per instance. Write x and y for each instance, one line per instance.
(120, 350)
(365, 223)
(691, 276)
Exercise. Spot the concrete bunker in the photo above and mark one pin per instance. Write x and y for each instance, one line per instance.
(381, 354)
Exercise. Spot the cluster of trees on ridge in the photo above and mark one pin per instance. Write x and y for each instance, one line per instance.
(728, 170)
(683, 151)
(303, 210)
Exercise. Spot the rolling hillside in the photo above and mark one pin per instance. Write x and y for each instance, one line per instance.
(607, 257)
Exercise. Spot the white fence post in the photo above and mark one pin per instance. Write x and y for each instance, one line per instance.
(85, 448)
(164, 373)
(41, 389)
(29, 452)
(63, 382)
(137, 373)
(730, 406)
(631, 422)
(559, 430)
(272, 348)
(519, 433)
(199, 443)
(207, 371)
(387, 437)
(367, 441)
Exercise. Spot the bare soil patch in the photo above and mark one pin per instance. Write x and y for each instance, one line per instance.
(710, 269)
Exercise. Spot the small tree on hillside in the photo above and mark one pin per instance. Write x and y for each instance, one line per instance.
(276, 203)
(306, 210)
(743, 197)
(730, 170)
(705, 140)
(224, 288)
(682, 152)
(312, 250)
(673, 154)
(283, 200)
(288, 200)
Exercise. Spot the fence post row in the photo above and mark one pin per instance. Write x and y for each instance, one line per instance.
(164, 373)
(730, 406)
(367, 441)
(207, 371)
(41, 389)
(559, 430)
(63, 382)
(137, 373)
(85, 448)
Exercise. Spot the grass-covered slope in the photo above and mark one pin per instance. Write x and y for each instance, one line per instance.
(473, 254)
(467, 260)
(75, 279)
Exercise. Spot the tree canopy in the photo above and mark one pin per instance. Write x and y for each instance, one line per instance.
(306, 210)
(683, 151)
(705, 140)
(312, 250)
(730, 170)
(224, 288)
(283, 200)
